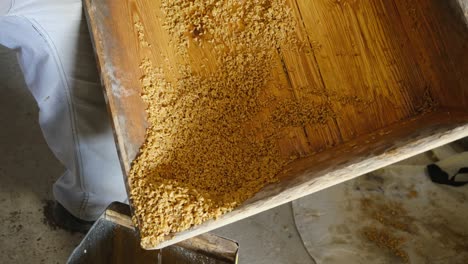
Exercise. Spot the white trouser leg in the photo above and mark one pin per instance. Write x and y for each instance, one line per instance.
(56, 57)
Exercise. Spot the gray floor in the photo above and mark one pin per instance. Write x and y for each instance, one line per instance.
(269, 237)
(28, 170)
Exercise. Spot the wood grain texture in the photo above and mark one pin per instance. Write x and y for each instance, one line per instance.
(344, 162)
(376, 64)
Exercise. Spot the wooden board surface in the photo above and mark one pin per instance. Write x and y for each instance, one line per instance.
(376, 64)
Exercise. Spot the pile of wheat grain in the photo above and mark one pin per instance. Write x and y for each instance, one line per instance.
(202, 157)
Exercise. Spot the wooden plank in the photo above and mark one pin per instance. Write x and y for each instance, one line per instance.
(444, 63)
(362, 53)
(367, 61)
(345, 162)
(120, 75)
(356, 50)
(306, 82)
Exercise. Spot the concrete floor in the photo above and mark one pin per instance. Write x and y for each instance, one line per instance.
(28, 170)
(269, 237)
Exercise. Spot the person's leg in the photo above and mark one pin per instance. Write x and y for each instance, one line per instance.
(55, 53)
(5, 6)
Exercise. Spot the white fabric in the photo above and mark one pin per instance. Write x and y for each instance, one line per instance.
(55, 54)
(5, 6)
(433, 222)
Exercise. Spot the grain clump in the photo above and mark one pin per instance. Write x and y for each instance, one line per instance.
(232, 25)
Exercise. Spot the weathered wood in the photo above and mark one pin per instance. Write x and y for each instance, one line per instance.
(345, 162)
(393, 56)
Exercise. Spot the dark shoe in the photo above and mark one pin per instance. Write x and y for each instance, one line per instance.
(57, 216)
(439, 176)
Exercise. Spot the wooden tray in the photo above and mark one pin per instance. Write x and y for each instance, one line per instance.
(400, 55)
